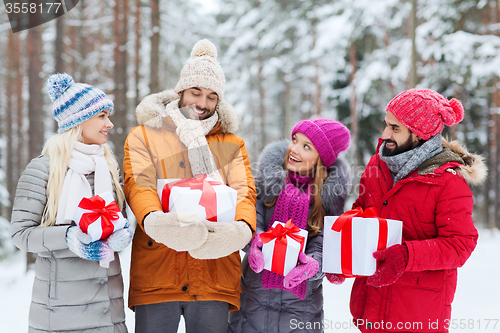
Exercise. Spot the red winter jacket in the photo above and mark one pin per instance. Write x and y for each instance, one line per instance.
(435, 204)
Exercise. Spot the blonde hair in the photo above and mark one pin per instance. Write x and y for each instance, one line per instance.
(315, 219)
(59, 148)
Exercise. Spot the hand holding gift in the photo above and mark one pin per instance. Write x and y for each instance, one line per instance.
(307, 268)
(255, 257)
(393, 261)
(180, 231)
(98, 217)
(282, 245)
(350, 240)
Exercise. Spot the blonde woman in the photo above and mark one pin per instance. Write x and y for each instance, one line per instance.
(71, 291)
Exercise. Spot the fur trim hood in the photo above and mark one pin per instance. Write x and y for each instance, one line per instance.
(271, 178)
(151, 110)
(473, 168)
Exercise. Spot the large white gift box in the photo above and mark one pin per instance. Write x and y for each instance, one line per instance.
(282, 245)
(350, 251)
(211, 199)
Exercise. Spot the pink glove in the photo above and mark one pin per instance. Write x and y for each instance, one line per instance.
(255, 257)
(393, 261)
(335, 278)
(302, 272)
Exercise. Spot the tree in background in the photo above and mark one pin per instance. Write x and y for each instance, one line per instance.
(284, 61)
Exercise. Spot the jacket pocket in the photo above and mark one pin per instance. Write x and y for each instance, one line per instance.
(225, 273)
(153, 266)
(416, 300)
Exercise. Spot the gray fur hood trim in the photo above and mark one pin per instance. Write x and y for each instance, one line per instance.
(151, 110)
(271, 178)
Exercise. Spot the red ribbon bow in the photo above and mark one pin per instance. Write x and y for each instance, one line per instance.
(344, 224)
(97, 205)
(279, 232)
(208, 196)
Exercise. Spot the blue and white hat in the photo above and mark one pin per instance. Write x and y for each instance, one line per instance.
(73, 103)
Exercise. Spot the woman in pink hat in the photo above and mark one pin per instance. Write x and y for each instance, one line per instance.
(302, 180)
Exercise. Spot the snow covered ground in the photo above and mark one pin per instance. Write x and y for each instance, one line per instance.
(476, 307)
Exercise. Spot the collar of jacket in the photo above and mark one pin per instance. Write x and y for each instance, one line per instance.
(151, 113)
(270, 178)
(454, 156)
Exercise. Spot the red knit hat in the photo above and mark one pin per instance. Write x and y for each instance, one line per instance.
(425, 112)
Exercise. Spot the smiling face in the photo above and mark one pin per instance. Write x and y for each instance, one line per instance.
(204, 100)
(303, 156)
(95, 130)
(398, 139)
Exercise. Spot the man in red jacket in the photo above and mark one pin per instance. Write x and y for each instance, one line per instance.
(421, 179)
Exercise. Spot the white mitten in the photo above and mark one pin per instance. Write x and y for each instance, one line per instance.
(177, 230)
(223, 239)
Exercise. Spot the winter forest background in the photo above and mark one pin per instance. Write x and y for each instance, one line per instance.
(284, 61)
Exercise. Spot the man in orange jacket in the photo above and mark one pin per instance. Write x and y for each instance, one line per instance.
(181, 266)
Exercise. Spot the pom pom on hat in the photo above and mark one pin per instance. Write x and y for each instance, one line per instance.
(329, 137)
(74, 103)
(57, 84)
(204, 48)
(202, 70)
(425, 111)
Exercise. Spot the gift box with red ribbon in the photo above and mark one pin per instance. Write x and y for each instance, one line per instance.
(99, 216)
(350, 239)
(282, 245)
(212, 200)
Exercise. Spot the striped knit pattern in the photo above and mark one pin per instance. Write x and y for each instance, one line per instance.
(74, 103)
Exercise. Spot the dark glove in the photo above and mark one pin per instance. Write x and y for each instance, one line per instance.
(393, 261)
(255, 257)
(307, 268)
(335, 278)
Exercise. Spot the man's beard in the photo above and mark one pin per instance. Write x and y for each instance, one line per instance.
(208, 113)
(408, 145)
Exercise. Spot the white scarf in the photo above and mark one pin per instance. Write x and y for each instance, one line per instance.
(192, 134)
(84, 160)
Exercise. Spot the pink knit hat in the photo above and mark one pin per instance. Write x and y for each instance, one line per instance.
(329, 137)
(202, 70)
(425, 112)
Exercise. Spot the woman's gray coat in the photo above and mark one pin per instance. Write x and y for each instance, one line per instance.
(70, 294)
(275, 310)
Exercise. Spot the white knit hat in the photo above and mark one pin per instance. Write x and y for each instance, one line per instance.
(202, 70)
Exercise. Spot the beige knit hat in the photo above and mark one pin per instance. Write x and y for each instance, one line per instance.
(202, 70)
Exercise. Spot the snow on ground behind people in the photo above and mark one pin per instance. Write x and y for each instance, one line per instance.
(476, 307)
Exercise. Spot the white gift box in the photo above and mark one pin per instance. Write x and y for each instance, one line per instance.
(293, 248)
(96, 228)
(364, 241)
(185, 199)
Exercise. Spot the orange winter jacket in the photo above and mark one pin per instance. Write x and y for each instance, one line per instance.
(153, 151)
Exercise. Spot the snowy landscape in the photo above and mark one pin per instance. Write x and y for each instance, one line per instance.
(476, 307)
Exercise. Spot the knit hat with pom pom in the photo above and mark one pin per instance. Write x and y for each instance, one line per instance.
(202, 70)
(425, 112)
(73, 103)
(329, 137)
